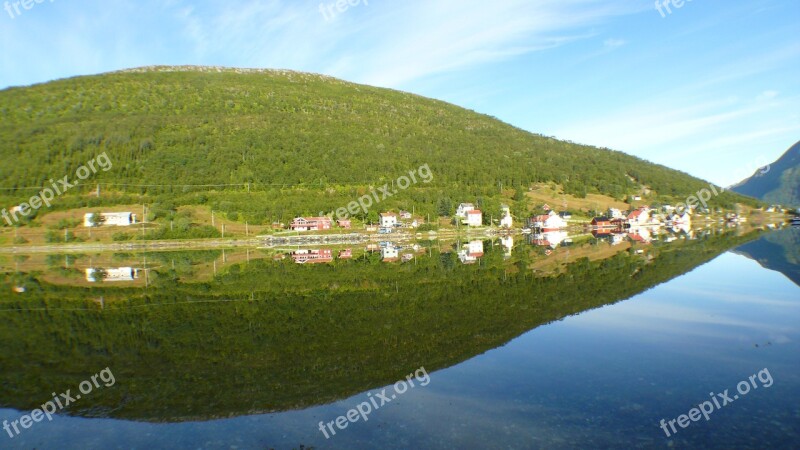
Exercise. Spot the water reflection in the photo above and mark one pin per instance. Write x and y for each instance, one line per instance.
(284, 343)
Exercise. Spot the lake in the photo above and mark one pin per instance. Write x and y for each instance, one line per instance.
(515, 342)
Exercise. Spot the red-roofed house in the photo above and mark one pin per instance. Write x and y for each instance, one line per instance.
(311, 224)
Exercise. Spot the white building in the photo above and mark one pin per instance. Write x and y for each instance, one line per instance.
(463, 209)
(474, 218)
(615, 213)
(506, 221)
(388, 220)
(118, 274)
(119, 219)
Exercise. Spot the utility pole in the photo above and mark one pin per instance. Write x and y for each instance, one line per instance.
(212, 218)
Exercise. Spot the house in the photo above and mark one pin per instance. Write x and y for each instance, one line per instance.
(405, 215)
(463, 209)
(311, 224)
(344, 223)
(320, 256)
(474, 218)
(548, 222)
(602, 222)
(615, 213)
(565, 215)
(546, 207)
(636, 198)
(506, 221)
(116, 274)
(638, 218)
(118, 219)
(470, 253)
(388, 220)
(278, 226)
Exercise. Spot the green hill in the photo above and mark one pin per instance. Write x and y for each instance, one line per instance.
(284, 143)
(779, 185)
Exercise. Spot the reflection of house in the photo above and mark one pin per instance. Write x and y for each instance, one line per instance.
(346, 253)
(116, 274)
(506, 221)
(311, 224)
(474, 218)
(388, 220)
(319, 256)
(682, 219)
(548, 222)
(463, 209)
(508, 244)
(118, 219)
(407, 257)
(470, 253)
(550, 239)
(390, 253)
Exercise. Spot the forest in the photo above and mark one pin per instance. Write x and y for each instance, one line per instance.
(267, 146)
(274, 335)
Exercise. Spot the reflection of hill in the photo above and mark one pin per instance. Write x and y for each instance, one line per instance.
(777, 251)
(273, 336)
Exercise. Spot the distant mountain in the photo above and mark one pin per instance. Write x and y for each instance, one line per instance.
(780, 184)
(777, 251)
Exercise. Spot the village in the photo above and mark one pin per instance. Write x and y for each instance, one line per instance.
(395, 237)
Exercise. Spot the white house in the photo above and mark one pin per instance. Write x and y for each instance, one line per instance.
(463, 209)
(638, 218)
(119, 219)
(118, 274)
(615, 213)
(548, 222)
(474, 218)
(388, 220)
(506, 221)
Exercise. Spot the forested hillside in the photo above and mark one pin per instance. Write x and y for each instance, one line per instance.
(302, 142)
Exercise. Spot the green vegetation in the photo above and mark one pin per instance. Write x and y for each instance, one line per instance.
(273, 336)
(278, 144)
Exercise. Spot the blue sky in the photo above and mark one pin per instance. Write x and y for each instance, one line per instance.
(711, 88)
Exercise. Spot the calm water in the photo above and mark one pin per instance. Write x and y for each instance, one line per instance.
(584, 353)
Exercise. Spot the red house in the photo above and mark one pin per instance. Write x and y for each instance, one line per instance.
(602, 222)
(313, 256)
(311, 224)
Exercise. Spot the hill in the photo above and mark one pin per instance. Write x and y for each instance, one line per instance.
(265, 145)
(780, 185)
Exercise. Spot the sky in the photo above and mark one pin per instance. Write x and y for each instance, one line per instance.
(711, 88)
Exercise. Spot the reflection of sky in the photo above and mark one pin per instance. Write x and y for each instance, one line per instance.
(604, 378)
